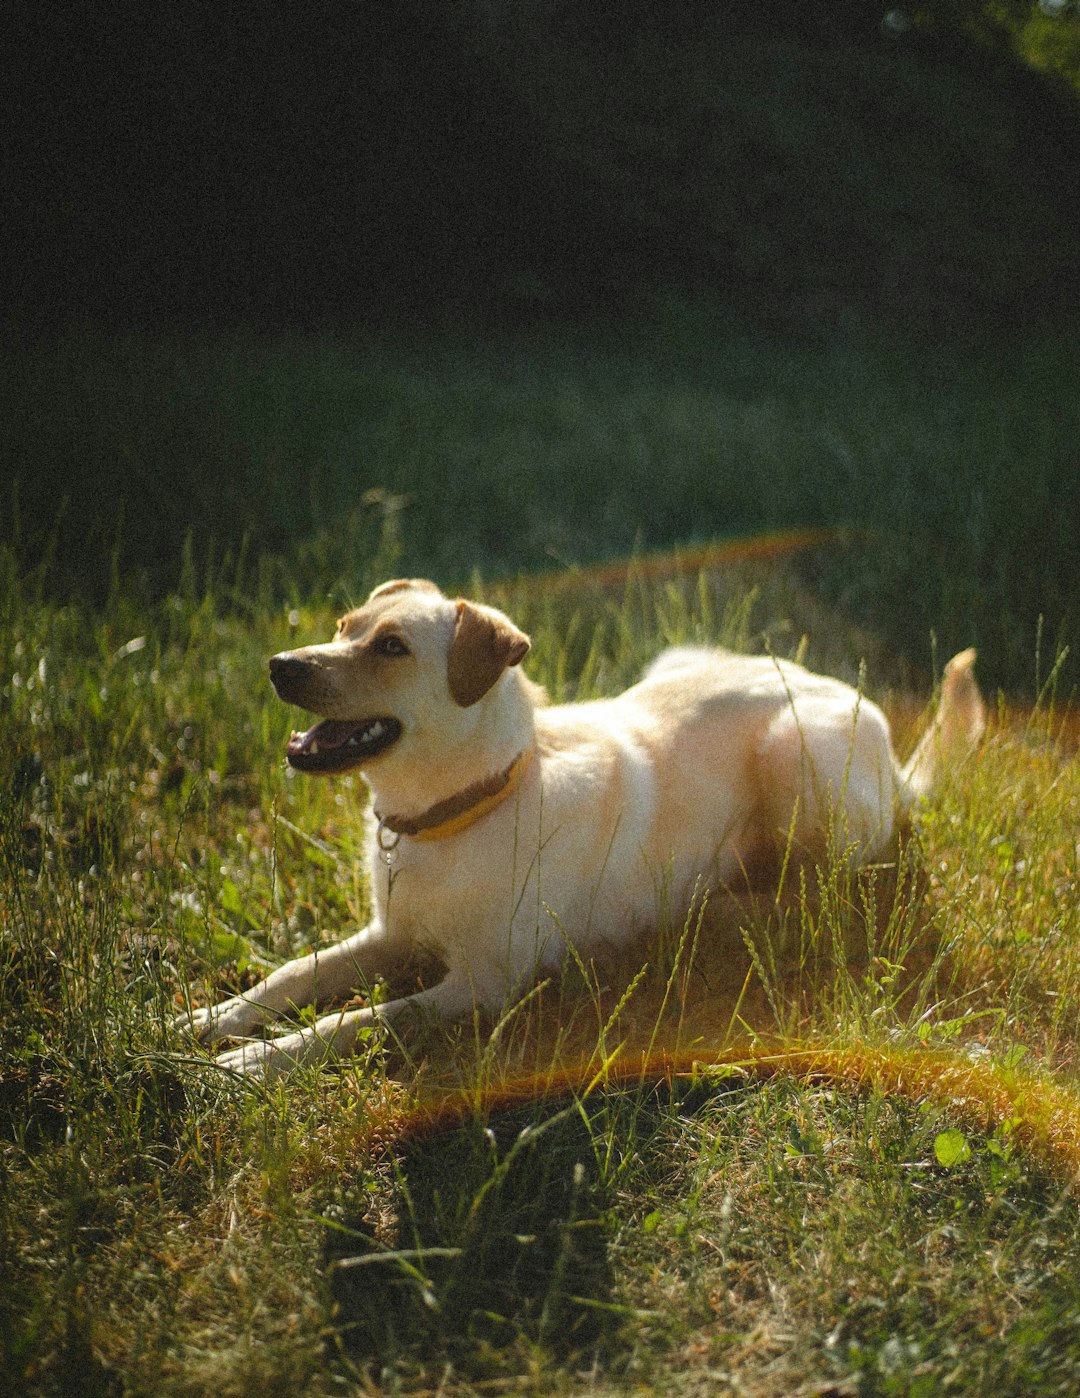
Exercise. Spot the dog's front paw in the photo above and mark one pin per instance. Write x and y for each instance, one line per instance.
(199, 1023)
(210, 1024)
(273, 1058)
(253, 1059)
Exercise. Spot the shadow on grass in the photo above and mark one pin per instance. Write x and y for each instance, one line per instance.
(500, 1236)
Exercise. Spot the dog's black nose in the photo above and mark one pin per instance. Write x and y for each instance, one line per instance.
(287, 669)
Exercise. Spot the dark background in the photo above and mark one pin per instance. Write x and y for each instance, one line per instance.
(357, 162)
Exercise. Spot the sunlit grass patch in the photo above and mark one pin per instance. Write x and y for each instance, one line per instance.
(808, 1235)
(1004, 851)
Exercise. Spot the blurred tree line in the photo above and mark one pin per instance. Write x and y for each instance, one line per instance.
(1044, 33)
(358, 161)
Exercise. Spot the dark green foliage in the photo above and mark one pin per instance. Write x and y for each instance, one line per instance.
(267, 471)
(339, 163)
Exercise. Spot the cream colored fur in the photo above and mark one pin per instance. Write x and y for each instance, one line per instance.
(693, 773)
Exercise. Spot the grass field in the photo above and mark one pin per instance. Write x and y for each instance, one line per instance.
(849, 1165)
(946, 471)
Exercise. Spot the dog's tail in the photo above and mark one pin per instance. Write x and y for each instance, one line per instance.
(954, 730)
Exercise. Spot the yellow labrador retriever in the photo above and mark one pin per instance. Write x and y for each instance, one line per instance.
(511, 826)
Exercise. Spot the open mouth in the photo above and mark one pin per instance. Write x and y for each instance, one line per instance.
(335, 745)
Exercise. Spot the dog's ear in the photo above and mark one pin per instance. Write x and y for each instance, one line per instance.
(484, 644)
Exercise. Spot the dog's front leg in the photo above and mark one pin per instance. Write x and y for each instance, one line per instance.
(330, 973)
(335, 1035)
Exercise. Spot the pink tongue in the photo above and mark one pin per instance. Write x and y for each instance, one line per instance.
(328, 733)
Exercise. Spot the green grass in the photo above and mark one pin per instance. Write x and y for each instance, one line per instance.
(871, 1188)
(950, 466)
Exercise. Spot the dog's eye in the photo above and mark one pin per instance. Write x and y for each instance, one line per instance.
(390, 645)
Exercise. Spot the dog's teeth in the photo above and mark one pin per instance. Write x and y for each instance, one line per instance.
(314, 749)
(354, 742)
(375, 729)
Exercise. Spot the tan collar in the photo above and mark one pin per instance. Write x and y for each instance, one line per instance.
(458, 812)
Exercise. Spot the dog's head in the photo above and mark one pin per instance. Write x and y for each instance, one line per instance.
(408, 663)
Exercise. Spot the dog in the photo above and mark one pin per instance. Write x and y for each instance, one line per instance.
(502, 827)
